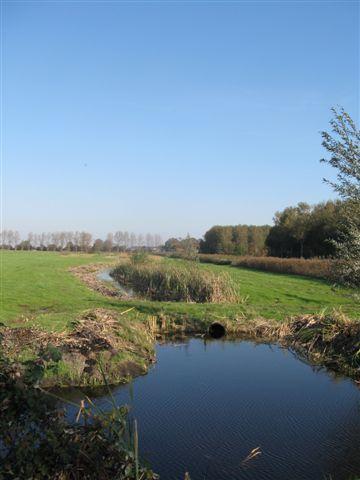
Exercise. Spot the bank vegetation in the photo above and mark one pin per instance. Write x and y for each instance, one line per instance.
(184, 282)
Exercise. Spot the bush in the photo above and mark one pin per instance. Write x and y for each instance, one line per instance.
(38, 443)
(188, 282)
(139, 258)
(216, 259)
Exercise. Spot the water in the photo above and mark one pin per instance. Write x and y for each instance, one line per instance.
(205, 405)
(104, 276)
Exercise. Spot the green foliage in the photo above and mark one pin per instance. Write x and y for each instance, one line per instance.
(239, 239)
(139, 258)
(306, 231)
(37, 442)
(184, 247)
(344, 147)
(182, 282)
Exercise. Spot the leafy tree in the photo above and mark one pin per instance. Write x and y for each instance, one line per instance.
(98, 245)
(187, 247)
(344, 146)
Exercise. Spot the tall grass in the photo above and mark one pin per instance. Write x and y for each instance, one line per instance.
(186, 283)
(314, 267)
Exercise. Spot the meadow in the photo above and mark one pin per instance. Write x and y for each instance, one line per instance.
(38, 288)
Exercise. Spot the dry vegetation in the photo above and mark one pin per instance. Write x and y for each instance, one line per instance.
(315, 267)
(186, 282)
(122, 346)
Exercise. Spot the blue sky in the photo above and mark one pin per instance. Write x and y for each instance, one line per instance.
(172, 116)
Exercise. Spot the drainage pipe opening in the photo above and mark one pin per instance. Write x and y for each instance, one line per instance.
(216, 330)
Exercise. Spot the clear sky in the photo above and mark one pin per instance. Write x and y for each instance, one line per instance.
(169, 116)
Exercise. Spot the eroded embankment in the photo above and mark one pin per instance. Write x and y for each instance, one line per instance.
(88, 274)
(103, 343)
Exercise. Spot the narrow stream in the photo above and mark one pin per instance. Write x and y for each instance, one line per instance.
(205, 405)
(105, 276)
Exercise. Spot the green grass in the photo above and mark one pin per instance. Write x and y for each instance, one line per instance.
(38, 285)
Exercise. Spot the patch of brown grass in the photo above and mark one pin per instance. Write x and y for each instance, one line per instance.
(314, 267)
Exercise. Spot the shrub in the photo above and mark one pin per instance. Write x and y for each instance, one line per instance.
(140, 257)
(216, 259)
(188, 282)
(38, 443)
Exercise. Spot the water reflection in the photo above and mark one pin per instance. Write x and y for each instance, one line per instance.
(207, 404)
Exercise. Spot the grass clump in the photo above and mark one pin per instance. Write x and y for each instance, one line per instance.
(180, 283)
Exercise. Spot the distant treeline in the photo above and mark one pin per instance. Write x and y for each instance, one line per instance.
(236, 240)
(307, 231)
(78, 241)
(303, 231)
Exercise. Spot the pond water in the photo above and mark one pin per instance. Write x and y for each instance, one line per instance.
(206, 404)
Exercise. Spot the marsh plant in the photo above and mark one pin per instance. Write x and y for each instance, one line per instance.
(181, 282)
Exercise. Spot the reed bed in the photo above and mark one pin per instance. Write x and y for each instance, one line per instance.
(314, 267)
(180, 283)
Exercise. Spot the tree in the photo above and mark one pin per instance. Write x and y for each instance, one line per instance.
(85, 241)
(191, 247)
(109, 242)
(344, 146)
(140, 240)
(126, 240)
(301, 224)
(133, 240)
(98, 245)
(158, 240)
(118, 239)
(172, 245)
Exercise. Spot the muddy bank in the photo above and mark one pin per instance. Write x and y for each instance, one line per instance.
(102, 343)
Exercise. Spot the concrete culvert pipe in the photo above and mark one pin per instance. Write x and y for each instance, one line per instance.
(216, 330)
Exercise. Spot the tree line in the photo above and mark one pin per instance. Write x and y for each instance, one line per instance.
(235, 240)
(306, 231)
(301, 231)
(78, 241)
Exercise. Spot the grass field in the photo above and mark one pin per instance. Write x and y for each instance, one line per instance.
(36, 287)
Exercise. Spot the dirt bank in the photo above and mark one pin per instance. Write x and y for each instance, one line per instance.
(88, 274)
(101, 342)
